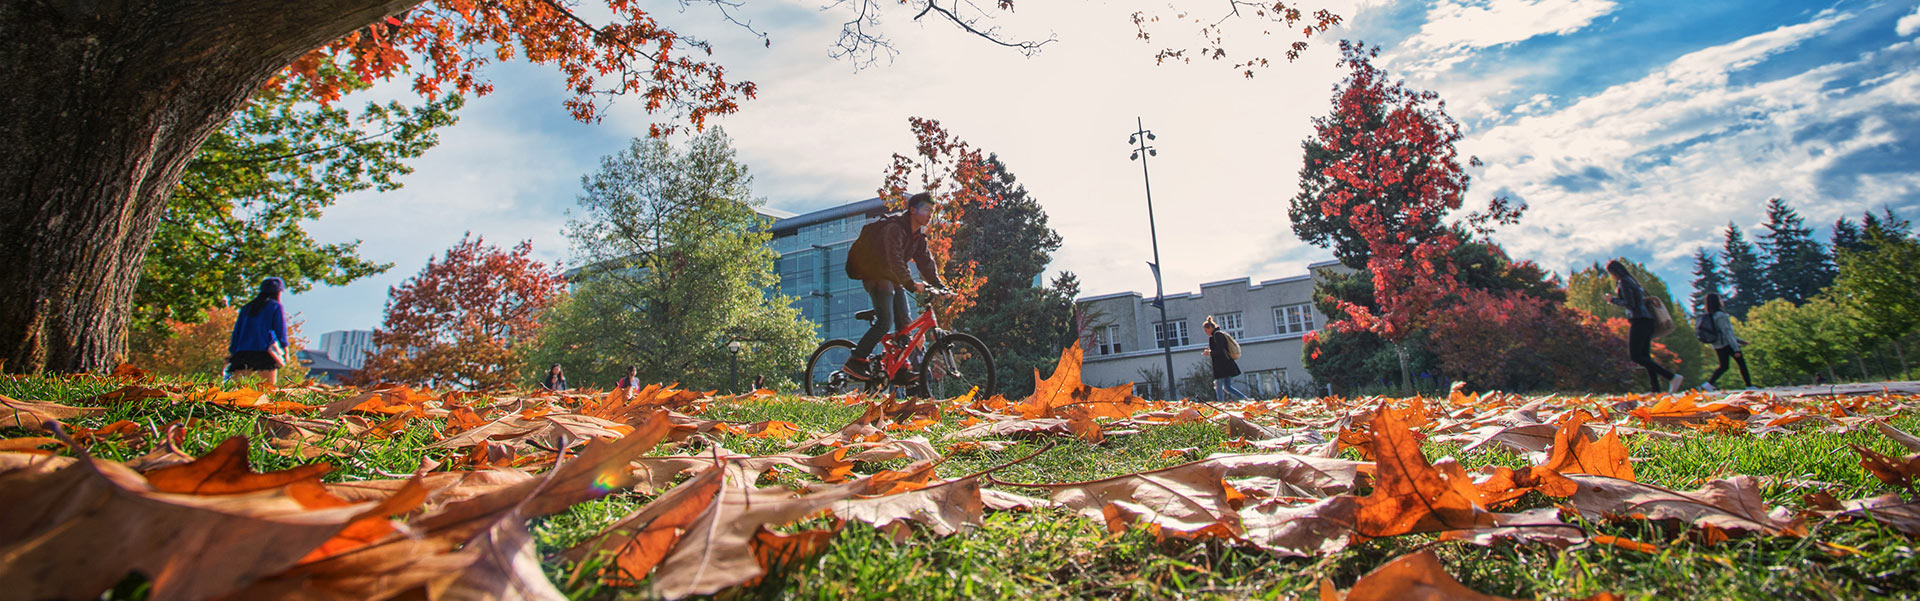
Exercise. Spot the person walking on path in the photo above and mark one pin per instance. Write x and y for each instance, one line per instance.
(1726, 344)
(258, 346)
(556, 379)
(1641, 323)
(631, 381)
(878, 258)
(1223, 349)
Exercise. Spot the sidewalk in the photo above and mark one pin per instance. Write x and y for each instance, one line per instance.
(1909, 387)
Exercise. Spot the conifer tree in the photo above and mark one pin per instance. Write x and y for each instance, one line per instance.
(1797, 268)
(1707, 279)
(1746, 284)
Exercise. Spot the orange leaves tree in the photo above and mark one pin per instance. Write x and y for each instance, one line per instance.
(1379, 178)
(465, 319)
(957, 176)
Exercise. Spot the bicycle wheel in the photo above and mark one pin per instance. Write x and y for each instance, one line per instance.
(956, 364)
(823, 376)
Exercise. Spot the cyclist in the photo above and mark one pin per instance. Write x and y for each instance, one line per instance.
(878, 259)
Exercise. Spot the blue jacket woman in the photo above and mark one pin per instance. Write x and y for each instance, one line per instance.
(259, 342)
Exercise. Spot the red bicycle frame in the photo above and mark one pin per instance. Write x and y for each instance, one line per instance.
(895, 358)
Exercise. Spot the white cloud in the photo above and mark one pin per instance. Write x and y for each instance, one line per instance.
(1456, 28)
(1909, 24)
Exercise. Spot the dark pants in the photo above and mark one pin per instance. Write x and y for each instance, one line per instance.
(1740, 358)
(1640, 348)
(889, 314)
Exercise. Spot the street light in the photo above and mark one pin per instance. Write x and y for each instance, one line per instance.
(734, 349)
(1139, 139)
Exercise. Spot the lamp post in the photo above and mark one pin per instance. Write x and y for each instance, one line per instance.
(733, 348)
(1141, 151)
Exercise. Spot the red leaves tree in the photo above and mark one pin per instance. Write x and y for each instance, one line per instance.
(957, 176)
(1380, 178)
(465, 319)
(1508, 340)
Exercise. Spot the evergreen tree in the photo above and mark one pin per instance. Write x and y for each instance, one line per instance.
(1797, 267)
(1707, 279)
(1023, 323)
(1874, 226)
(1847, 236)
(1746, 283)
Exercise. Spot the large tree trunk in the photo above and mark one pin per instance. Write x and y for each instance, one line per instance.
(106, 101)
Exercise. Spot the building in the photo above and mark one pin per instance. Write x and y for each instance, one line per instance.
(813, 265)
(1269, 319)
(348, 347)
(322, 368)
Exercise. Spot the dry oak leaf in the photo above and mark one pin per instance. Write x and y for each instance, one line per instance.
(1575, 453)
(1890, 510)
(1902, 472)
(1412, 577)
(1909, 441)
(225, 471)
(1731, 504)
(639, 541)
(1319, 528)
(1409, 494)
(74, 532)
(1185, 499)
(1045, 426)
(127, 394)
(724, 545)
(32, 415)
(1064, 388)
(245, 398)
(1686, 408)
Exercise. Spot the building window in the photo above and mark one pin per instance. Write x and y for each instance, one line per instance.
(1107, 340)
(1177, 330)
(1293, 319)
(1231, 324)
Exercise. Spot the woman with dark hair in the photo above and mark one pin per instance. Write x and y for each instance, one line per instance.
(556, 379)
(1725, 344)
(1641, 323)
(1225, 365)
(632, 380)
(258, 346)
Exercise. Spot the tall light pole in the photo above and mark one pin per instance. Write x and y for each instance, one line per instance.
(1141, 151)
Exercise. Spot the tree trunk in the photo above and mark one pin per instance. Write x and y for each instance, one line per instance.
(1406, 373)
(107, 101)
(1903, 358)
(1864, 377)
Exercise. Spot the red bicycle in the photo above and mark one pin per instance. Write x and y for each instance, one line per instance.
(927, 360)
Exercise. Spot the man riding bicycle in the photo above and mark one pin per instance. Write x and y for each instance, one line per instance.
(878, 259)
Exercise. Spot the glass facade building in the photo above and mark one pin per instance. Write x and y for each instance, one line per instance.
(813, 265)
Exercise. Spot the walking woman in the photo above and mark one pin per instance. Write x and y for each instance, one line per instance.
(556, 379)
(258, 346)
(1725, 343)
(1219, 347)
(1642, 322)
(632, 380)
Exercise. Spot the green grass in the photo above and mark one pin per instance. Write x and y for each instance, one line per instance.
(1055, 554)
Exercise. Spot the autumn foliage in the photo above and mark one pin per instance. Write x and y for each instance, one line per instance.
(465, 318)
(957, 177)
(1513, 341)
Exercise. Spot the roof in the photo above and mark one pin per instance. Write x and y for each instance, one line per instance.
(792, 224)
(319, 361)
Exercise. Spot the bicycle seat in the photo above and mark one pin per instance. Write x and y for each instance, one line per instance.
(866, 315)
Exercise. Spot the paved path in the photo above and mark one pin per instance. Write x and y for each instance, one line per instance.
(1839, 389)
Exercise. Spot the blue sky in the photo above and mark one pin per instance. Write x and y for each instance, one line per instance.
(1630, 128)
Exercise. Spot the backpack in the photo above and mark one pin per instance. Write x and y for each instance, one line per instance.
(1705, 330)
(1233, 347)
(864, 245)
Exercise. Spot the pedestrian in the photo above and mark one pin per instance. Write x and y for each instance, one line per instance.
(1726, 344)
(556, 379)
(760, 382)
(1641, 322)
(632, 380)
(1225, 352)
(258, 346)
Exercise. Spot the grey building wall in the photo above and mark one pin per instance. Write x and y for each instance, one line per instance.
(1269, 319)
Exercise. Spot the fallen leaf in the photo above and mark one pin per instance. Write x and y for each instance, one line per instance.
(1413, 577)
(32, 415)
(1732, 504)
(1409, 494)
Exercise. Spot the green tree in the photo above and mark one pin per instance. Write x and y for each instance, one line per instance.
(238, 212)
(1787, 343)
(1588, 288)
(1707, 279)
(675, 266)
(1023, 323)
(1880, 285)
(1746, 282)
(1797, 267)
(1847, 237)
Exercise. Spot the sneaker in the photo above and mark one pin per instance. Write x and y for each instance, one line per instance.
(1674, 385)
(857, 368)
(1708, 387)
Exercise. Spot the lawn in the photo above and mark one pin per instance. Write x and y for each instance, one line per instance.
(1057, 552)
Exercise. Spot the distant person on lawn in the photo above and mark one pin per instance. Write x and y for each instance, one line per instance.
(259, 343)
(1225, 367)
(1725, 343)
(1641, 323)
(556, 379)
(632, 381)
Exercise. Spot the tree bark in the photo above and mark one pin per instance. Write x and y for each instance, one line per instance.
(1406, 373)
(1902, 355)
(106, 102)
